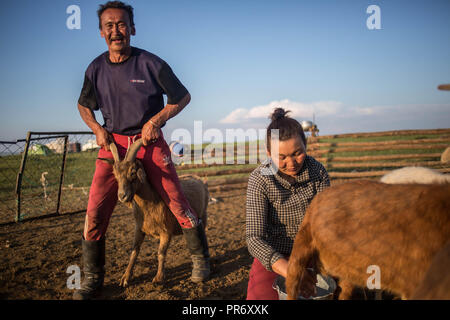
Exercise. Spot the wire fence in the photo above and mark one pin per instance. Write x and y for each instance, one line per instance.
(46, 173)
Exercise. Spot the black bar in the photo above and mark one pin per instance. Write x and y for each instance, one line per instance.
(61, 178)
(59, 134)
(225, 309)
(64, 132)
(42, 138)
(20, 175)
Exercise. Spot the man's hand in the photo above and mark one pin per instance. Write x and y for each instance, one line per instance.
(150, 132)
(103, 138)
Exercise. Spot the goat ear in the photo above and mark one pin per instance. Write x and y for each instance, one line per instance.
(107, 160)
(141, 175)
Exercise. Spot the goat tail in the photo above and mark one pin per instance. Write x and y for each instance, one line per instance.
(303, 256)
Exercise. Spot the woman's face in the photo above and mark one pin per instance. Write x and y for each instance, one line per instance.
(288, 155)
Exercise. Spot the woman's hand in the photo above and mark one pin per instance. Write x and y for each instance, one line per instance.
(307, 281)
(280, 266)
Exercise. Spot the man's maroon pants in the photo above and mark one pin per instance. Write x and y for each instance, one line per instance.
(161, 173)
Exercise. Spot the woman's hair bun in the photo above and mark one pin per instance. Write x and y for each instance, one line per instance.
(278, 114)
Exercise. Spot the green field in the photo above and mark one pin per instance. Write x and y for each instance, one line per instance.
(383, 152)
(381, 138)
(42, 173)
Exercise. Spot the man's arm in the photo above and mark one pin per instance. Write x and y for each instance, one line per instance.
(102, 136)
(151, 130)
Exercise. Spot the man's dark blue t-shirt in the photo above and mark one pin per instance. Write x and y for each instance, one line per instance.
(129, 93)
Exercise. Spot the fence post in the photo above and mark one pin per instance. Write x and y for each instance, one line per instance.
(61, 178)
(20, 174)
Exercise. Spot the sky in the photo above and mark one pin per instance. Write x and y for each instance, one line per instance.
(240, 60)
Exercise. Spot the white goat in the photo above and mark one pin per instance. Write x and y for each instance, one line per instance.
(445, 157)
(415, 175)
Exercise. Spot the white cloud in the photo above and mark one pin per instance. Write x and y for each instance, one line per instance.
(366, 111)
(336, 117)
(298, 110)
(387, 117)
(235, 116)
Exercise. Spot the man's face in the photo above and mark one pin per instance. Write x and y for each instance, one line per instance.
(116, 29)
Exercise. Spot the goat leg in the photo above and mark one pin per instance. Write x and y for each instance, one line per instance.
(346, 290)
(164, 241)
(138, 239)
(303, 255)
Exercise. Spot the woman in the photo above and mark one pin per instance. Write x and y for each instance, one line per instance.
(278, 193)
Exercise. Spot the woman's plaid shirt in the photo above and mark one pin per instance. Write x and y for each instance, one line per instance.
(275, 208)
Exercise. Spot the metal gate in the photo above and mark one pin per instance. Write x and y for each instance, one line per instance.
(46, 174)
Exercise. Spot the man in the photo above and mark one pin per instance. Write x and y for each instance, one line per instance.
(127, 85)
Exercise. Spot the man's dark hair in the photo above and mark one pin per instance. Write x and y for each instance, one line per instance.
(288, 127)
(115, 5)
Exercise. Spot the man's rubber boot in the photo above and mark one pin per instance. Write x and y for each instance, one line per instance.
(93, 268)
(198, 247)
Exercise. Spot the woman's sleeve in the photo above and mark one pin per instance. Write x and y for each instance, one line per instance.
(257, 206)
(325, 179)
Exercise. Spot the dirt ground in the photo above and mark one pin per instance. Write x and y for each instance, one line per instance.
(35, 255)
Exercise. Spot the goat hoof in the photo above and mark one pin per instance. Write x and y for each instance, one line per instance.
(124, 282)
(158, 280)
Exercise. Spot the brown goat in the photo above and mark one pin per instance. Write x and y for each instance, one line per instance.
(436, 283)
(352, 226)
(152, 216)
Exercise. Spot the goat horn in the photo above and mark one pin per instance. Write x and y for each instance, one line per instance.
(444, 87)
(133, 150)
(115, 153)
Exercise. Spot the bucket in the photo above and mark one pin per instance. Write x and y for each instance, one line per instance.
(325, 288)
